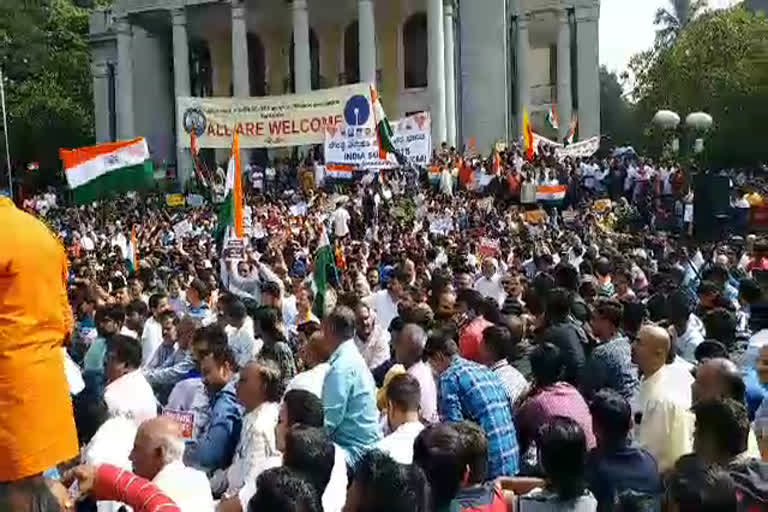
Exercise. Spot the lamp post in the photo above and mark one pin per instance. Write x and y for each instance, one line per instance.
(701, 122)
(668, 121)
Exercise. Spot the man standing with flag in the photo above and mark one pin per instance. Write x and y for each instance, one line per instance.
(230, 222)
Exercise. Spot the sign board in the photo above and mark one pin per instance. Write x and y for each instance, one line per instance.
(585, 148)
(195, 200)
(174, 200)
(489, 247)
(185, 419)
(411, 137)
(234, 249)
(181, 229)
(274, 121)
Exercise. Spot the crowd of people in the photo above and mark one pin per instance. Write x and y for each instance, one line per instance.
(462, 349)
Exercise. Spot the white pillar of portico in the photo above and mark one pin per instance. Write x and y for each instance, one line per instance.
(523, 85)
(240, 76)
(450, 75)
(184, 165)
(100, 74)
(366, 33)
(436, 57)
(301, 64)
(564, 100)
(125, 126)
(588, 85)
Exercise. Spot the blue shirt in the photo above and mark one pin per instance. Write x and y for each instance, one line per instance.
(216, 443)
(755, 392)
(349, 403)
(469, 391)
(623, 468)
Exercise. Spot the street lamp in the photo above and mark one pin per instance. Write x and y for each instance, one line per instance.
(701, 122)
(668, 121)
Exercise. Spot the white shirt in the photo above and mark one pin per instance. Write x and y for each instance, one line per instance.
(375, 350)
(310, 380)
(385, 307)
(399, 444)
(111, 444)
(131, 396)
(665, 426)
(340, 219)
(690, 339)
(187, 487)
(72, 372)
(151, 339)
(242, 342)
(491, 288)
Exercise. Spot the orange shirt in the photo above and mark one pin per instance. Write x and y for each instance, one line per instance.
(37, 430)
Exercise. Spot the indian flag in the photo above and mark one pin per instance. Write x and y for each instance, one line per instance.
(133, 252)
(339, 171)
(552, 118)
(550, 192)
(384, 132)
(94, 172)
(527, 135)
(231, 210)
(324, 263)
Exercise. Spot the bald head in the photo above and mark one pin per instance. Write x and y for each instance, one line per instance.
(409, 345)
(158, 442)
(716, 379)
(651, 349)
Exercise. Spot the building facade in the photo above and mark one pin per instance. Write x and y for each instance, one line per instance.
(473, 64)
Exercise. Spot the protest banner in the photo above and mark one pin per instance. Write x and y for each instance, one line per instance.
(234, 249)
(274, 121)
(195, 200)
(489, 247)
(180, 229)
(585, 148)
(185, 419)
(411, 137)
(174, 200)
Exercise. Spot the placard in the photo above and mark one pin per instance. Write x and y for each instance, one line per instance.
(411, 137)
(174, 200)
(180, 229)
(195, 200)
(234, 249)
(273, 121)
(186, 419)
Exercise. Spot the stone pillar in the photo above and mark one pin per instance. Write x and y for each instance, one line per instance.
(450, 75)
(588, 85)
(100, 74)
(241, 86)
(436, 57)
(302, 67)
(523, 85)
(366, 30)
(564, 101)
(181, 87)
(125, 126)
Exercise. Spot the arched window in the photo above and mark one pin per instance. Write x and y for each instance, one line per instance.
(415, 50)
(256, 66)
(314, 62)
(351, 54)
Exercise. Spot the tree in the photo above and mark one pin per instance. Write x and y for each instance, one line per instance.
(617, 116)
(44, 55)
(672, 22)
(718, 64)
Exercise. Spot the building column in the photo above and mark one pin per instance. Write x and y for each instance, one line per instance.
(125, 120)
(241, 86)
(523, 85)
(366, 33)
(436, 57)
(450, 75)
(564, 100)
(588, 66)
(302, 67)
(100, 74)
(181, 87)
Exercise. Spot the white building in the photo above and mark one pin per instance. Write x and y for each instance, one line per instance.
(474, 64)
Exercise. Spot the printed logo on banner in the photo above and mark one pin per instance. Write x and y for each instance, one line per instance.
(195, 121)
(357, 110)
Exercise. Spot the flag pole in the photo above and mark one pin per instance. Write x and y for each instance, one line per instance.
(5, 131)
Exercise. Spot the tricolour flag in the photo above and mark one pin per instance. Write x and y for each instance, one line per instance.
(339, 171)
(323, 264)
(231, 210)
(552, 118)
(572, 129)
(550, 192)
(527, 135)
(384, 132)
(133, 252)
(94, 172)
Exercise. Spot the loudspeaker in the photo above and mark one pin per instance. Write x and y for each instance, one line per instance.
(711, 207)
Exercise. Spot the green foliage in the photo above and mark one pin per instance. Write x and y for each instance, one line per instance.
(717, 64)
(617, 116)
(45, 58)
(672, 21)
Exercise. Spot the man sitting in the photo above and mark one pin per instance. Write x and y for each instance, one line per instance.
(128, 393)
(156, 456)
